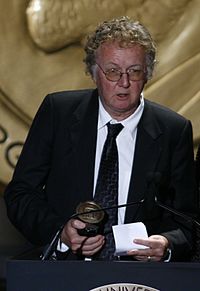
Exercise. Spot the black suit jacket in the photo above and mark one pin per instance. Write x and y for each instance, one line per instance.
(56, 169)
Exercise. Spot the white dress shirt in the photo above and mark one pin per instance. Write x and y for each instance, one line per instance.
(126, 148)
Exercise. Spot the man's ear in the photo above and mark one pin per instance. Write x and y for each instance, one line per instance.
(93, 75)
(94, 79)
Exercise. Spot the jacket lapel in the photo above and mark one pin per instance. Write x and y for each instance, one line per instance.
(147, 153)
(83, 131)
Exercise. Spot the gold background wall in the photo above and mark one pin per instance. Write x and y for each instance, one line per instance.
(41, 51)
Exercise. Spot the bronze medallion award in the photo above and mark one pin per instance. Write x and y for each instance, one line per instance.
(92, 214)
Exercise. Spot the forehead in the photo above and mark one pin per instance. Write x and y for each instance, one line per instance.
(114, 52)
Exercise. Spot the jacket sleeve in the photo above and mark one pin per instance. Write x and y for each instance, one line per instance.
(27, 204)
(183, 195)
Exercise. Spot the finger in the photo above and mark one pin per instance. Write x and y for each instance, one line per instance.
(154, 241)
(147, 258)
(144, 242)
(146, 252)
(92, 245)
(77, 247)
(92, 248)
(91, 252)
(78, 224)
(141, 258)
(150, 242)
(89, 244)
(140, 253)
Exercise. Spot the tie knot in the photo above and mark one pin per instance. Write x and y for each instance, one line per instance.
(114, 129)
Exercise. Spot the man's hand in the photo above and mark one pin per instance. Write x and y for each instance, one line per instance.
(157, 246)
(87, 246)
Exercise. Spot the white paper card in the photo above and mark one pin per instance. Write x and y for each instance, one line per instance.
(124, 234)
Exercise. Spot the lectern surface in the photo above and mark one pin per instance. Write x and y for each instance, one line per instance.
(31, 275)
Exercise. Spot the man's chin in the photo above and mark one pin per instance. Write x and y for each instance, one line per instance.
(122, 112)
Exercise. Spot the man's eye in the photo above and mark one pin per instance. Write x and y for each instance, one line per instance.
(113, 71)
(132, 71)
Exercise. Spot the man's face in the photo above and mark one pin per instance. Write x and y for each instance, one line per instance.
(120, 98)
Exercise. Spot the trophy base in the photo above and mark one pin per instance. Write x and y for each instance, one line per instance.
(89, 230)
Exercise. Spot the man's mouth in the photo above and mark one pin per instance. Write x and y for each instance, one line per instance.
(122, 95)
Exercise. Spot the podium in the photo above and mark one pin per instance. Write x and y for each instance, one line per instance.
(34, 275)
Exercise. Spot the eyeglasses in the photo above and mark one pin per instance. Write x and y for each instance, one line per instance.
(135, 73)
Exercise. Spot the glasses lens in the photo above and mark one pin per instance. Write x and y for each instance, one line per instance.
(135, 74)
(113, 75)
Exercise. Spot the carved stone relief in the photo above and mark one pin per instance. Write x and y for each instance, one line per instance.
(41, 51)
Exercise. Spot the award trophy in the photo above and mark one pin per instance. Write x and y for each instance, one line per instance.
(92, 214)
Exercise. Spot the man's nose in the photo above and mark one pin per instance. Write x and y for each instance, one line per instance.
(124, 81)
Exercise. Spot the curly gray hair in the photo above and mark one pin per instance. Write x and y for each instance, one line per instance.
(127, 33)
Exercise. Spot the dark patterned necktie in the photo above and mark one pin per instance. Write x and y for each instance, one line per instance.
(106, 193)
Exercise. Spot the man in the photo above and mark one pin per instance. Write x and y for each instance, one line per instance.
(61, 158)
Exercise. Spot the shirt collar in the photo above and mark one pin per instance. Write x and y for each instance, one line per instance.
(130, 123)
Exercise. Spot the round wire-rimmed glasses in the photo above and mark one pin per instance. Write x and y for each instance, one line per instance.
(135, 73)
